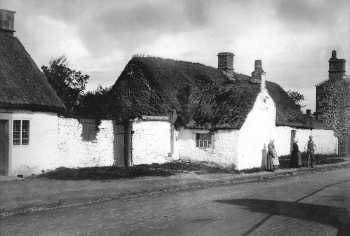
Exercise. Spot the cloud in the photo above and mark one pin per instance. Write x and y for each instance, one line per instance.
(294, 38)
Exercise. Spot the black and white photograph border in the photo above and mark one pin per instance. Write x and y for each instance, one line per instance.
(159, 117)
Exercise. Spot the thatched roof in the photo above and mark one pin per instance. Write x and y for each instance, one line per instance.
(202, 96)
(22, 84)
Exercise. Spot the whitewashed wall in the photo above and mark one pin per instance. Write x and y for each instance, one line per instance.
(325, 140)
(151, 142)
(41, 151)
(223, 150)
(76, 152)
(256, 132)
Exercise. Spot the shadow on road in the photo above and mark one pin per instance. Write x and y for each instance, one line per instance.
(333, 216)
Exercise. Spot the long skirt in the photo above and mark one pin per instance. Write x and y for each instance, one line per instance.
(269, 163)
(294, 160)
(300, 162)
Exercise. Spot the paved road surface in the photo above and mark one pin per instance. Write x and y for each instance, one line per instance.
(315, 204)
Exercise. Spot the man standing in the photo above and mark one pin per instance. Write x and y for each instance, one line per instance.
(310, 153)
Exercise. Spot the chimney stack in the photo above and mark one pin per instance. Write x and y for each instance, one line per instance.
(7, 19)
(258, 72)
(225, 62)
(336, 66)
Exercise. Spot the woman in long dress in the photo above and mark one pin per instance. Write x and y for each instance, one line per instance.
(295, 156)
(269, 159)
(275, 160)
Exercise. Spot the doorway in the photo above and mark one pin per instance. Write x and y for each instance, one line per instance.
(292, 139)
(4, 147)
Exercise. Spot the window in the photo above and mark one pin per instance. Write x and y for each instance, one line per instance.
(25, 132)
(16, 132)
(203, 140)
(21, 132)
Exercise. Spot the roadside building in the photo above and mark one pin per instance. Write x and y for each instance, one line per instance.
(333, 102)
(34, 134)
(215, 114)
(28, 106)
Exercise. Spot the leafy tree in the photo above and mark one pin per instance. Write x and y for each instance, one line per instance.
(296, 97)
(96, 103)
(68, 83)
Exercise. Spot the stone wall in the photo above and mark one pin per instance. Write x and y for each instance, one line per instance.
(325, 140)
(223, 150)
(85, 142)
(151, 142)
(333, 108)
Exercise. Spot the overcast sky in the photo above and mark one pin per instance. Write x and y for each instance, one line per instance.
(293, 38)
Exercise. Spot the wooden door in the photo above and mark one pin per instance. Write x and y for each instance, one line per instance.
(292, 139)
(4, 147)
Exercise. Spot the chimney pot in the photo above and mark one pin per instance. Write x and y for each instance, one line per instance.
(258, 72)
(336, 66)
(334, 53)
(258, 64)
(7, 19)
(225, 62)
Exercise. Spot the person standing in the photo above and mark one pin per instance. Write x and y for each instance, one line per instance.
(295, 155)
(310, 153)
(275, 161)
(269, 159)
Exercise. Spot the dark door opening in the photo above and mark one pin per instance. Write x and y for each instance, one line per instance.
(292, 139)
(4, 147)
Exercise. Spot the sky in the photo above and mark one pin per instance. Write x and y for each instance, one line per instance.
(294, 39)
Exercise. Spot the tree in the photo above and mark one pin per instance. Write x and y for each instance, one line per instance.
(96, 103)
(296, 97)
(69, 84)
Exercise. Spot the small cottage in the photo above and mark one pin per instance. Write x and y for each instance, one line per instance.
(28, 107)
(215, 114)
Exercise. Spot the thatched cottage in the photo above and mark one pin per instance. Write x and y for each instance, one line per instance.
(215, 114)
(28, 104)
(34, 136)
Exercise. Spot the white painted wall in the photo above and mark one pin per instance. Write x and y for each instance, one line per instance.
(41, 151)
(256, 132)
(76, 152)
(151, 142)
(325, 140)
(223, 150)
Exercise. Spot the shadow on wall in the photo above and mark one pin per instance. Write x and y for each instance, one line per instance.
(328, 215)
(90, 129)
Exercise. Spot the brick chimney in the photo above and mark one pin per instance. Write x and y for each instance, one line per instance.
(7, 19)
(225, 62)
(258, 72)
(336, 66)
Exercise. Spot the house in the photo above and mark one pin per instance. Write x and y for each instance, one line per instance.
(35, 133)
(333, 102)
(165, 110)
(215, 114)
(28, 106)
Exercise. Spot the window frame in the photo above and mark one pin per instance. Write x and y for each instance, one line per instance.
(204, 143)
(21, 132)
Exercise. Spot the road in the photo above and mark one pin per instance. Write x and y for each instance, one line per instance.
(313, 204)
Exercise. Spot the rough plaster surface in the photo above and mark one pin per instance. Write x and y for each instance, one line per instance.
(151, 142)
(76, 152)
